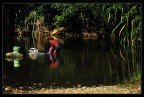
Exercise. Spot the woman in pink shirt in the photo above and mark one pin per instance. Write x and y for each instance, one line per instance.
(55, 46)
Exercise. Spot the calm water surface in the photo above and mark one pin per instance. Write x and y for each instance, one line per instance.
(79, 63)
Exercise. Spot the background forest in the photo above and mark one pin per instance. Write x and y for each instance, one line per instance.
(114, 22)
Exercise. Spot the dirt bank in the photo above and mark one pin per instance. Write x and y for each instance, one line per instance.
(131, 88)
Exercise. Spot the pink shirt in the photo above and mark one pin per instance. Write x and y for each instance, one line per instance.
(54, 42)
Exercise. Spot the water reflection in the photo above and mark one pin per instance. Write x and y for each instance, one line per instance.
(84, 62)
(55, 61)
(16, 62)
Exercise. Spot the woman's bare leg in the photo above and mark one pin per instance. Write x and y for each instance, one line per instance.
(55, 51)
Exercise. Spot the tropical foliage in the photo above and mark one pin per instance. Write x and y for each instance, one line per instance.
(116, 21)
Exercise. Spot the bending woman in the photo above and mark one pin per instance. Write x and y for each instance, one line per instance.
(55, 46)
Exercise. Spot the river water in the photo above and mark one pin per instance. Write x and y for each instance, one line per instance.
(80, 62)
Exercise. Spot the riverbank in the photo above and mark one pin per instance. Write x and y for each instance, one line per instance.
(130, 88)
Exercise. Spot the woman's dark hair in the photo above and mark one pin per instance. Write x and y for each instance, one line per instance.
(50, 38)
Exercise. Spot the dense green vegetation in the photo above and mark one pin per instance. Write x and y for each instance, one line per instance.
(114, 21)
